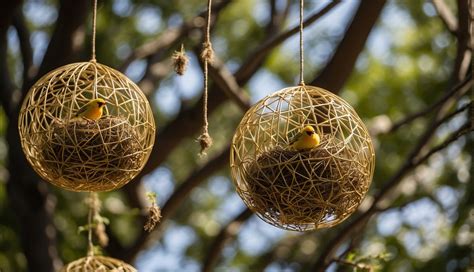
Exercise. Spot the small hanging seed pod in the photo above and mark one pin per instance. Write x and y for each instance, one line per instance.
(302, 189)
(97, 263)
(80, 153)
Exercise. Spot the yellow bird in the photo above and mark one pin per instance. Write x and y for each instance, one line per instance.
(92, 110)
(306, 139)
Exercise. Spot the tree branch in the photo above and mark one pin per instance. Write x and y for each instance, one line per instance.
(340, 66)
(6, 85)
(25, 45)
(188, 121)
(347, 230)
(279, 252)
(225, 236)
(34, 206)
(33, 209)
(466, 128)
(155, 71)
(461, 87)
(68, 37)
(171, 36)
(410, 163)
(228, 83)
(464, 53)
(195, 179)
(446, 16)
(225, 81)
(172, 204)
(258, 56)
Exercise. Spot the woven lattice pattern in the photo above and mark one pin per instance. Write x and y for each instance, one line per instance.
(307, 189)
(98, 264)
(79, 154)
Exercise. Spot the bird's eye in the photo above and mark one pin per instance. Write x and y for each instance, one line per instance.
(309, 133)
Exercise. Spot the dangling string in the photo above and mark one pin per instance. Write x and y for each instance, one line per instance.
(95, 223)
(207, 54)
(94, 25)
(301, 43)
(90, 249)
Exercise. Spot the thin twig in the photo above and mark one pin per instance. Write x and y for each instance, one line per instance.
(461, 87)
(466, 128)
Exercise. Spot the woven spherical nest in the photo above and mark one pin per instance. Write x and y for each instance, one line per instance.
(79, 154)
(302, 189)
(98, 264)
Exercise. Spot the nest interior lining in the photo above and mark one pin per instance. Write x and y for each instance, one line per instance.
(305, 187)
(106, 151)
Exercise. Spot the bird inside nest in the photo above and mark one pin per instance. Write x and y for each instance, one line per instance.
(93, 110)
(307, 138)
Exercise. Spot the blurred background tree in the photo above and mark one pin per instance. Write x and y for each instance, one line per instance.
(403, 65)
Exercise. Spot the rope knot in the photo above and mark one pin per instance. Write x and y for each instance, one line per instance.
(154, 213)
(207, 53)
(205, 141)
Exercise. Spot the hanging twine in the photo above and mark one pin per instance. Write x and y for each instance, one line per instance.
(90, 248)
(154, 212)
(180, 61)
(95, 223)
(94, 26)
(301, 44)
(207, 55)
